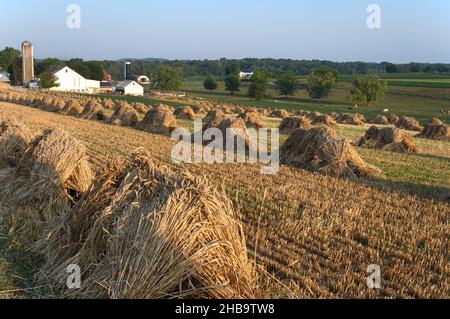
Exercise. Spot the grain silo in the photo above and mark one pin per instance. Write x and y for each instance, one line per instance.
(27, 63)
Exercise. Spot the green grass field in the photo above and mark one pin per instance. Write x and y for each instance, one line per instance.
(422, 102)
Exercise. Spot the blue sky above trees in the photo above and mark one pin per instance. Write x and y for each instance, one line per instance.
(411, 30)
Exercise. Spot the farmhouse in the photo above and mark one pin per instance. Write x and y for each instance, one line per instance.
(71, 81)
(129, 88)
(4, 80)
(246, 75)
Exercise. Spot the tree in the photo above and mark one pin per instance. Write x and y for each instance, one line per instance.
(369, 89)
(8, 56)
(81, 67)
(168, 78)
(15, 71)
(210, 83)
(414, 67)
(232, 83)
(286, 83)
(46, 64)
(232, 69)
(320, 82)
(96, 70)
(391, 68)
(47, 80)
(258, 87)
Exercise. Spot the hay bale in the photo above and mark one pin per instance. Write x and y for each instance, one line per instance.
(198, 109)
(124, 115)
(292, 123)
(263, 112)
(185, 113)
(326, 120)
(389, 139)
(155, 235)
(392, 118)
(408, 123)
(435, 121)
(93, 111)
(141, 108)
(159, 120)
(379, 119)
(320, 149)
(52, 174)
(351, 119)
(227, 109)
(165, 107)
(47, 103)
(315, 117)
(72, 107)
(440, 132)
(252, 119)
(281, 113)
(57, 105)
(223, 122)
(334, 115)
(109, 104)
(213, 119)
(14, 140)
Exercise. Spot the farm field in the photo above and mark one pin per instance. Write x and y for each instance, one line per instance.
(333, 229)
(421, 101)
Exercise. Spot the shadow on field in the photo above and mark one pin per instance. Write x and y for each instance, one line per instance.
(17, 269)
(415, 189)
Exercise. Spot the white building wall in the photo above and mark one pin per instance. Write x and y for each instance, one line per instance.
(134, 88)
(92, 86)
(69, 80)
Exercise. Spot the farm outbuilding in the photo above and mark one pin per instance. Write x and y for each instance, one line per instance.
(71, 81)
(129, 88)
(4, 80)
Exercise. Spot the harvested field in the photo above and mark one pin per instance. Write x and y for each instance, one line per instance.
(332, 228)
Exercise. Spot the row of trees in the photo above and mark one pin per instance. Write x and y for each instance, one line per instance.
(319, 85)
(225, 67)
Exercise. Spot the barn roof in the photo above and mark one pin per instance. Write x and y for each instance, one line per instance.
(4, 78)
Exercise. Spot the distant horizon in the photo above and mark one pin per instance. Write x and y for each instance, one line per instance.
(402, 31)
(217, 59)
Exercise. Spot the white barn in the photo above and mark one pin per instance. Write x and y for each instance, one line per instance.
(129, 88)
(71, 81)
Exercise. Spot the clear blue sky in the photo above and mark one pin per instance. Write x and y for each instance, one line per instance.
(411, 30)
